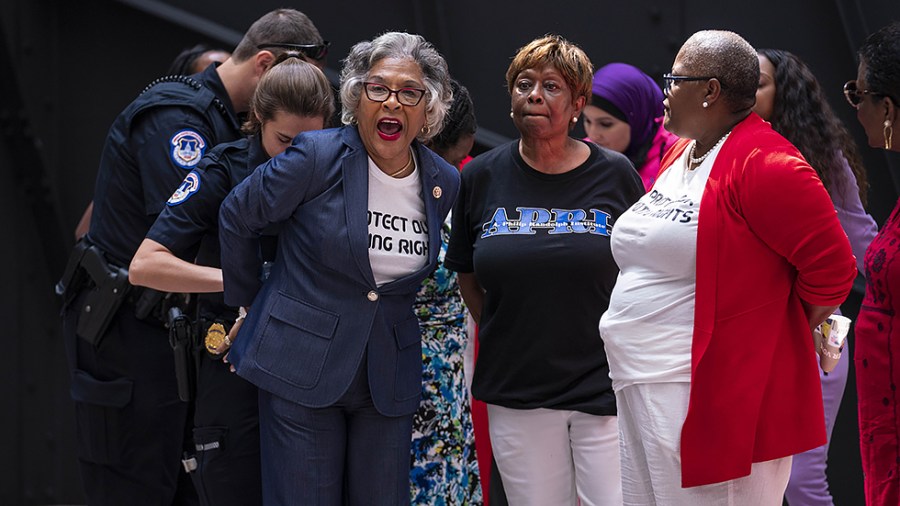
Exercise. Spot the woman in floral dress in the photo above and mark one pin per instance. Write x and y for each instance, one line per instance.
(444, 469)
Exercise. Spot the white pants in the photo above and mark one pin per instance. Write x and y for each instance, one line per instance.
(650, 420)
(556, 457)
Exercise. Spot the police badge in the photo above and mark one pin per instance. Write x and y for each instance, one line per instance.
(215, 338)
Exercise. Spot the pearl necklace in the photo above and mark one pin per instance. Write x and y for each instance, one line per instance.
(408, 164)
(694, 162)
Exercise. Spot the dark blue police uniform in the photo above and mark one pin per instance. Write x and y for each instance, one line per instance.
(226, 417)
(132, 428)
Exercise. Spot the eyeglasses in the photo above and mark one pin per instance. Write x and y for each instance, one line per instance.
(669, 80)
(381, 93)
(854, 95)
(312, 51)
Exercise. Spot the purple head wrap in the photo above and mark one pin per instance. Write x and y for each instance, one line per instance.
(636, 96)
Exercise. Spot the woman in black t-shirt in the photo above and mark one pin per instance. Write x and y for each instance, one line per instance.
(530, 241)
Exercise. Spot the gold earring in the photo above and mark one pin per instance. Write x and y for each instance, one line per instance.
(888, 134)
(426, 130)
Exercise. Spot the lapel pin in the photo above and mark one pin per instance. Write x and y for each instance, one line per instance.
(437, 192)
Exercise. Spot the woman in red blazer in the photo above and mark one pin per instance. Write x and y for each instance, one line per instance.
(708, 331)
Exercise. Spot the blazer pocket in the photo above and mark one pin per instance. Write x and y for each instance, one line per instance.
(295, 341)
(408, 383)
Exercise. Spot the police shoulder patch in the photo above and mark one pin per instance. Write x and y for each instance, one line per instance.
(188, 147)
(188, 187)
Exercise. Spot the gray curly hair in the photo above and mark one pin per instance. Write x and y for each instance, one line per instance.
(364, 55)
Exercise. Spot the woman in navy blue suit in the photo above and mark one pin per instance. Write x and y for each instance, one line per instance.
(331, 339)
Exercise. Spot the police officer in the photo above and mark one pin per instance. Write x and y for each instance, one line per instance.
(293, 96)
(131, 424)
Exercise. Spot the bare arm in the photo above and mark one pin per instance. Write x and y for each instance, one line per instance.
(472, 293)
(817, 314)
(84, 224)
(156, 267)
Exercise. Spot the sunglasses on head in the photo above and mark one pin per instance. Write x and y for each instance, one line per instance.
(312, 51)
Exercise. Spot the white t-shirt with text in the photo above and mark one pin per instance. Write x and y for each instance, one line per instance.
(648, 328)
(398, 231)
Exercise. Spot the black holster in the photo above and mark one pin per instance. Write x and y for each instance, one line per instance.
(181, 338)
(148, 304)
(110, 287)
(73, 278)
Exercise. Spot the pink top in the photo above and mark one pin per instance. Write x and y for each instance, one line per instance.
(662, 141)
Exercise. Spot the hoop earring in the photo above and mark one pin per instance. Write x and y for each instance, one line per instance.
(888, 134)
(426, 130)
(705, 104)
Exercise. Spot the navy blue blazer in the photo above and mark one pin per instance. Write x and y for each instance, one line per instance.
(321, 311)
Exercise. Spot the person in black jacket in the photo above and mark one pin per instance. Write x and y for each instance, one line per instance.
(181, 254)
(131, 425)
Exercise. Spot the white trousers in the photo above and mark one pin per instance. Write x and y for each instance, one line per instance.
(650, 420)
(556, 457)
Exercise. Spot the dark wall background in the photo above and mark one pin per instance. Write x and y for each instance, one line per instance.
(67, 69)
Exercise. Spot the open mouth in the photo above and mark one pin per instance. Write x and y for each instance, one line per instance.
(389, 128)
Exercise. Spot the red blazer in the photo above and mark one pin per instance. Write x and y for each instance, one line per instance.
(768, 236)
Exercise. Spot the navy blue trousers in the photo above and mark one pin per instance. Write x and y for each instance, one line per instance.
(344, 454)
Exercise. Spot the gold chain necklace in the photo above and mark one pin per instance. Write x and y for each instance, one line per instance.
(409, 163)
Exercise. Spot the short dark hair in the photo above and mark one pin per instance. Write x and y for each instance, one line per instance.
(281, 26)
(183, 64)
(730, 59)
(460, 119)
(881, 54)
